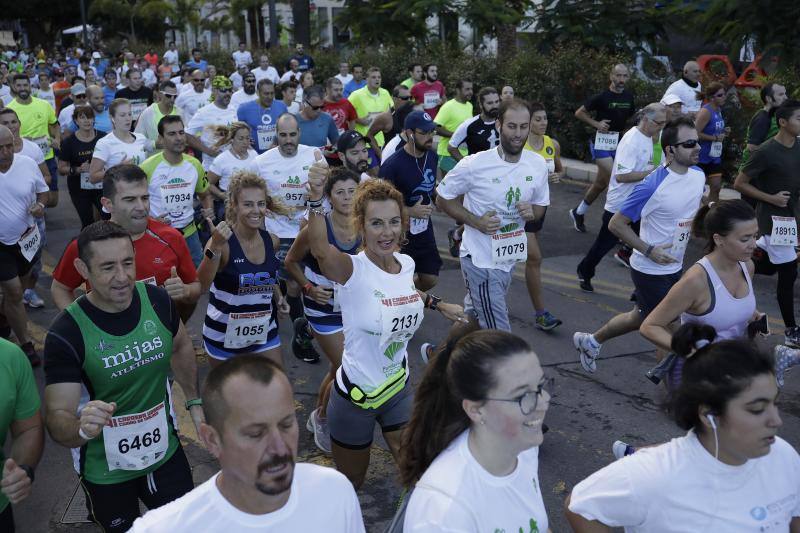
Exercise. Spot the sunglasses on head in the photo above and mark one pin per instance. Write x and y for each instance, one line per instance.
(688, 144)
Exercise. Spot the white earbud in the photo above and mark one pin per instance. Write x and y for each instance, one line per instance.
(711, 421)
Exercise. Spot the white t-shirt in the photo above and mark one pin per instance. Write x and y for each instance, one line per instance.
(344, 79)
(225, 165)
(372, 302)
(191, 101)
(456, 494)
(32, 150)
(20, 185)
(666, 203)
(679, 487)
(47, 96)
(289, 75)
(286, 179)
(390, 148)
(687, 94)
(5, 94)
(112, 150)
(489, 183)
(634, 154)
(171, 59)
(240, 97)
(242, 58)
(203, 123)
(335, 508)
(65, 116)
(270, 73)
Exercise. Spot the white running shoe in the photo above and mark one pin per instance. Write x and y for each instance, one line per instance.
(588, 352)
(319, 426)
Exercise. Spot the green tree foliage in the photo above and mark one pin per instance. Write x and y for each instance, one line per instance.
(132, 18)
(43, 18)
(388, 22)
(613, 25)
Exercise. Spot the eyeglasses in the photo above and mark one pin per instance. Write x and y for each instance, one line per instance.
(528, 401)
(403, 97)
(315, 107)
(224, 91)
(687, 144)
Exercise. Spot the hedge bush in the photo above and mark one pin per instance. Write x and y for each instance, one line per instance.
(562, 80)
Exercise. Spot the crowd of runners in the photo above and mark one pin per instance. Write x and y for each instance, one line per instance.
(282, 194)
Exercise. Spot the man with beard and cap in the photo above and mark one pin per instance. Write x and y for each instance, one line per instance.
(429, 93)
(505, 192)
(209, 117)
(412, 170)
(353, 152)
(246, 93)
(251, 428)
(612, 108)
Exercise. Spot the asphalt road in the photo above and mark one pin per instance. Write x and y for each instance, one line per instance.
(587, 412)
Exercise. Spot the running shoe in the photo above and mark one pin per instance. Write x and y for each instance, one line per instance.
(546, 321)
(302, 347)
(577, 221)
(30, 351)
(319, 427)
(453, 244)
(426, 351)
(584, 282)
(31, 299)
(792, 337)
(621, 449)
(623, 256)
(785, 358)
(587, 350)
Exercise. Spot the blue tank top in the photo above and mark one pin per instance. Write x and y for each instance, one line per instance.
(715, 126)
(241, 287)
(313, 273)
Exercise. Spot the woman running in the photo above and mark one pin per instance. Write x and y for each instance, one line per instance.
(73, 162)
(381, 310)
(471, 451)
(237, 158)
(544, 145)
(121, 145)
(319, 300)
(711, 131)
(729, 473)
(240, 268)
(718, 289)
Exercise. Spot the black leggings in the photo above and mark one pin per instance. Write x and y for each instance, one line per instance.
(116, 506)
(84, 200)
(787, 274)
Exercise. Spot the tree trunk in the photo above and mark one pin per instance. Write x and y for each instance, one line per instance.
(133, 30)
(302, 21)
(506, 43)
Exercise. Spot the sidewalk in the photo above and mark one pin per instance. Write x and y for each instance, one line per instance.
(587, 172)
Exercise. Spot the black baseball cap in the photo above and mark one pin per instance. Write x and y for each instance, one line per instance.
(349, 139)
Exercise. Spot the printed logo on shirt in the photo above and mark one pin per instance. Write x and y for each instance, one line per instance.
(266, 119)
(133, 353)
(533, 527)
(512, 196)
(758, 513)
(549, 150)
(103, 346)
(256, 282)
(528, 178)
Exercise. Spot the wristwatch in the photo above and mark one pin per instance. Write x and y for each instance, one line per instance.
(211, 255)
(28, 470)
(432, 302)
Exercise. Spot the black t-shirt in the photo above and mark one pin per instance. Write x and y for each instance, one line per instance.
(64, 351)
(76, 152)
(479, 136)
(139, 100)
(615, 107)
(398, 121)
(758, 130)
(776, 168)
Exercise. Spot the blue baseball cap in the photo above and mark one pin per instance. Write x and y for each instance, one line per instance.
(419, 120)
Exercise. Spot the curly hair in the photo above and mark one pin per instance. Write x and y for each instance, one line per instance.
(376, 190)
(250, 180)
(225, 134)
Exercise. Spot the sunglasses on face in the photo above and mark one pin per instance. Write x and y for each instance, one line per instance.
(167, 95)
(315, 107)
(688, 144)
(403, 97)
